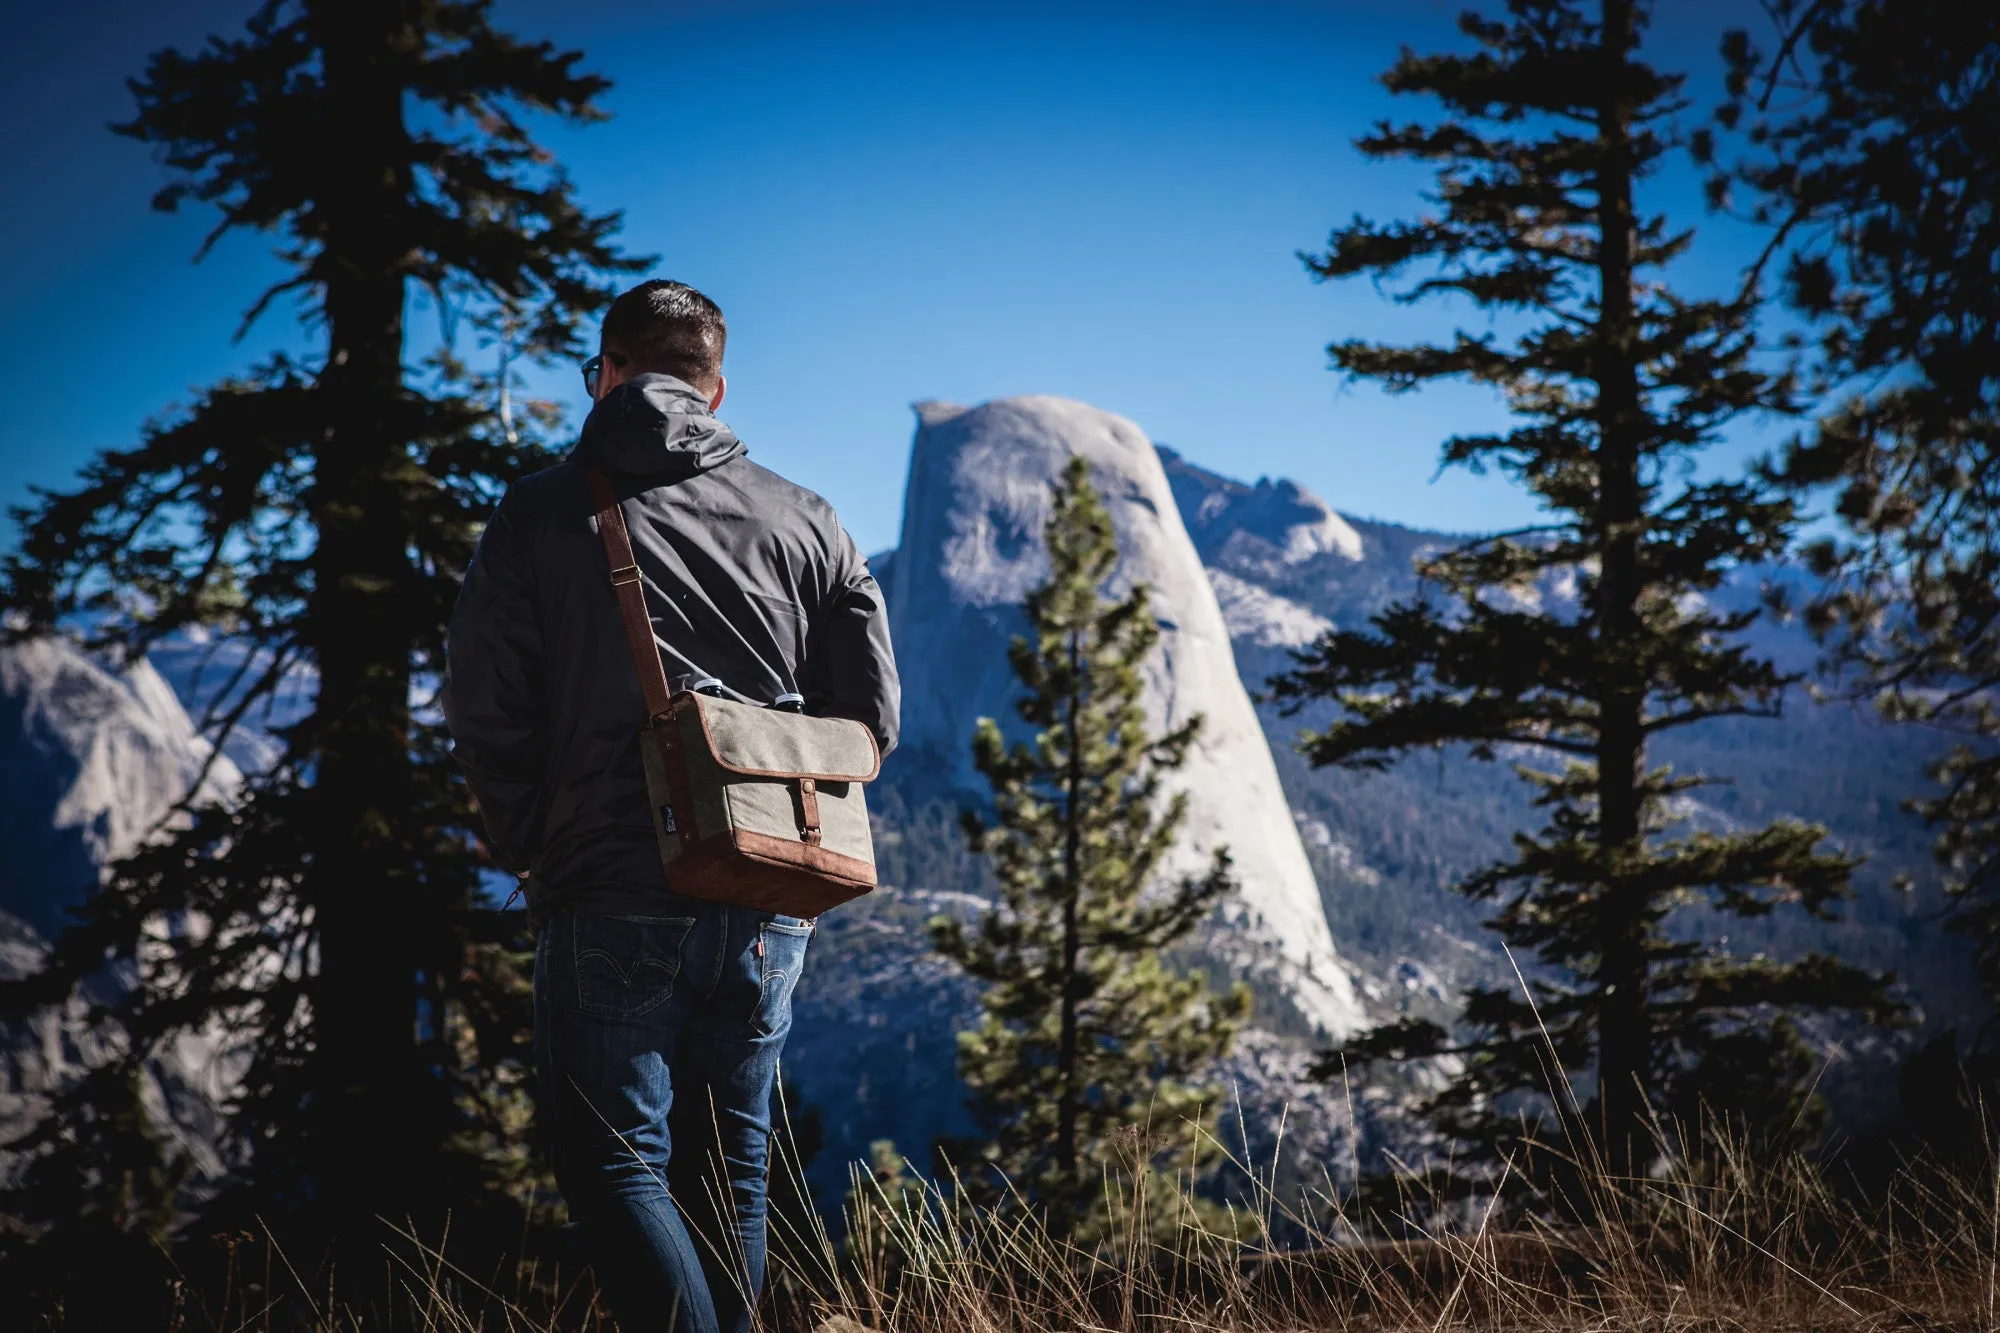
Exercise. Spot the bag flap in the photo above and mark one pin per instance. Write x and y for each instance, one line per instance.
(766, 743)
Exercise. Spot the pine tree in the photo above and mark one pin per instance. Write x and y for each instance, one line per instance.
(313, 516)
(1088, 1031)
(125, 1177)
(113, 1195)
(1617, 384)
(1875, 160)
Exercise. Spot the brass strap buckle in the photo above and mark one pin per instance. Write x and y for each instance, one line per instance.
(624, 574)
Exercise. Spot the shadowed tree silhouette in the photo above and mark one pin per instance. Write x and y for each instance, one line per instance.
(1874, 156)
(1571, 645)
(311, 518)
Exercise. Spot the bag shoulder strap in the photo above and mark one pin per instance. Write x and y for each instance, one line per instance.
(631, 594)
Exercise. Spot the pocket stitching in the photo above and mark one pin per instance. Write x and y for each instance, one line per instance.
(581, 952)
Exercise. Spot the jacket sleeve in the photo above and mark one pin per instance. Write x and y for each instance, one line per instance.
(492, 692)
(851, 669)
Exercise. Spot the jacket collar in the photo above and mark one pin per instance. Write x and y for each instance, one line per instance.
(656, 425)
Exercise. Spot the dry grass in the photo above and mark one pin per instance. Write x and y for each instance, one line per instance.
(1714, 1240)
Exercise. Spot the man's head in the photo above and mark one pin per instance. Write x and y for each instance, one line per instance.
(664, 328)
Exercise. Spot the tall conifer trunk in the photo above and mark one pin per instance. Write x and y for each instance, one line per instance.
(376, 1128)
(1621, 745)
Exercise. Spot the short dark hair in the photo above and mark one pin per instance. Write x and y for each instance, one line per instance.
(667, 328)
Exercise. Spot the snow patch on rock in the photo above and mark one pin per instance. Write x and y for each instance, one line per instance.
(1262, 616)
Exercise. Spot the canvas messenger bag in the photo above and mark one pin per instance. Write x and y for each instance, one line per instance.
(751, 806)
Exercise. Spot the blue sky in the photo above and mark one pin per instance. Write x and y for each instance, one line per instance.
(892, 202)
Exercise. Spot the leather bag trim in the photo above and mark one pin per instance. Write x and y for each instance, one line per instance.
(769, 875)
(787, 852)
(874, 748)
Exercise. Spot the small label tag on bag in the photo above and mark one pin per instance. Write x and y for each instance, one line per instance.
(667, 819)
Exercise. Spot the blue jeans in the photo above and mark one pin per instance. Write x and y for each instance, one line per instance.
(634, 1014)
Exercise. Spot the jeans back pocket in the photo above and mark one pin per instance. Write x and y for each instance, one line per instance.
(626, 965)
(784, 958)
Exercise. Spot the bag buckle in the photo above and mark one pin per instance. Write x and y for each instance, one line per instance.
(624, 574)
(808, 812)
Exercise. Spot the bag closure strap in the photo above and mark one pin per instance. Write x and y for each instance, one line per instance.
(631, 594)
(809, 830)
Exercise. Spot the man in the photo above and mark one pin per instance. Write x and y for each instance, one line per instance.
(644, 998)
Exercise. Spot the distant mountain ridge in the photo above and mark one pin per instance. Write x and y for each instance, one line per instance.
(1352, 871)
(1386, 847)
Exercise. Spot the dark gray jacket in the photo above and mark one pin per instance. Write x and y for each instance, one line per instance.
(749, 578)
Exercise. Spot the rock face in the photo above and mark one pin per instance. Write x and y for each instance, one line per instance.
(977, 502)
(90, 762)
(873, 1050)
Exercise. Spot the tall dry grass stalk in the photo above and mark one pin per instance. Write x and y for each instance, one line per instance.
(1716, 1238)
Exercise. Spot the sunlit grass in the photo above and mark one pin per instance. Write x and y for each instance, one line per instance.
(1714, 1238)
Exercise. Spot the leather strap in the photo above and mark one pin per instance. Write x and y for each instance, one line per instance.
(631, 594)
(645, 652)
(809, 832)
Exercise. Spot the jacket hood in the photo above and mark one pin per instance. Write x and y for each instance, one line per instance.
(656, 425)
